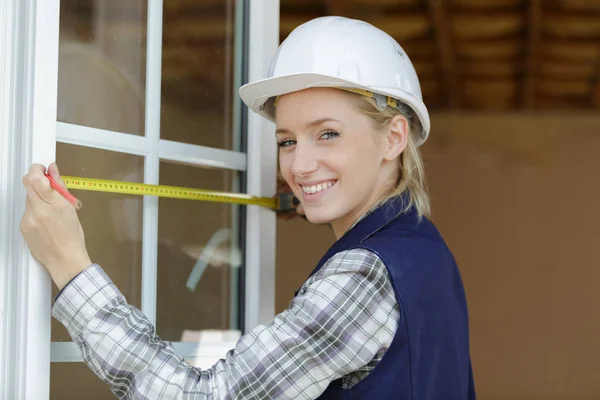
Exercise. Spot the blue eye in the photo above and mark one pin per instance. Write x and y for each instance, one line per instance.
(286, 143)
(330, 135)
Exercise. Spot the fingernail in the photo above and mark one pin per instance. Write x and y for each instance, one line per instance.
(295, 201)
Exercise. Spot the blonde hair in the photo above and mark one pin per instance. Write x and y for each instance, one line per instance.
(411, 173)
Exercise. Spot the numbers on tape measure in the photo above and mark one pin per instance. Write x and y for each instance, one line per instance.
(166, 191)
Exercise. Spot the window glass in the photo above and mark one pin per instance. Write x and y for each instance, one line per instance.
(113, 228)
(101, 71)
(198, 258)
(112, 222)
(198, 72)
(75, 381)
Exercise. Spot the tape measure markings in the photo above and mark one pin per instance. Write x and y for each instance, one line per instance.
(131, 188)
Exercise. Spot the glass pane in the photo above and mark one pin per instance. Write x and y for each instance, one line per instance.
(75, 381)
(102, 63)
(199, 65)
(198, 256)
(112, 222)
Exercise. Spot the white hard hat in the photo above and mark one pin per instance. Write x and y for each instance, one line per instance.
(339, 52)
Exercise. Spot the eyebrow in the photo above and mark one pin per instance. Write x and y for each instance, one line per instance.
(311, 124)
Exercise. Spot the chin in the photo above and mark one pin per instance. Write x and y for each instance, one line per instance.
(318, 217)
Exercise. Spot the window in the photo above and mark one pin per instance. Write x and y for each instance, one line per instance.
(141, 91)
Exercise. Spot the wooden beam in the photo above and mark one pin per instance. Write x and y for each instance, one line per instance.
(532, 54)
(595, 83)
(439, 17)
(595, 94)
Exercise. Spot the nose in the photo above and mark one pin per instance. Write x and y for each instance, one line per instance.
(305, 161)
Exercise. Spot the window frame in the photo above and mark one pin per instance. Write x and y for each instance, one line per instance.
(30, 38)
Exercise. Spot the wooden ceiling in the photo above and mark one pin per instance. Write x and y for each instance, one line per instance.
(469, 54)
(485, 54)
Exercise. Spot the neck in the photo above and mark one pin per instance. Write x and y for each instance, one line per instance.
(343, 225)
(338, 229)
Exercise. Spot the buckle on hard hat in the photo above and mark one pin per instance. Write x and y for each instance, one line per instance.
(381, 101)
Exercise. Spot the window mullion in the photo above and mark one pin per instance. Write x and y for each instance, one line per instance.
(102, 139)
(262, 173)
(151, 164)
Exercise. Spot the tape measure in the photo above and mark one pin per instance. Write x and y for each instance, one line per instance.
(279, 203)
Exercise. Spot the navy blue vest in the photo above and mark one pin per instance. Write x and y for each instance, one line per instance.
(429, 356)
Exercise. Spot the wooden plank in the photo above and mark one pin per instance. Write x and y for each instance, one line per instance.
(488, 49)
(565, 87)
(578, 5)
(485, 4)
(562, 69)
(388, 3)
(404, 26)
(572, 25)
(340, 7)
(489, 25)
(439, 17)
(489, 69)
(579, 51)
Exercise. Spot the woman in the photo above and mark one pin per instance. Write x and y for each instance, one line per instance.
(382, 316)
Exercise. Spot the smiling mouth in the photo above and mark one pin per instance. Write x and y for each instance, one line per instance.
(317, 188)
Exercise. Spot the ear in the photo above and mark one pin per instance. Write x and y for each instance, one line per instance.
(397, 137)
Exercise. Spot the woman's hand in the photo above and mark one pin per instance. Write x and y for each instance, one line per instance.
(51, 227)
(283, 187)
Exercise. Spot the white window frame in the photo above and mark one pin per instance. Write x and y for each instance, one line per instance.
(29, 71)
(29, 38)
(262, 172)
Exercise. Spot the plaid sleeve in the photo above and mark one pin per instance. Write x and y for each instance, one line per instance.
(333, 327)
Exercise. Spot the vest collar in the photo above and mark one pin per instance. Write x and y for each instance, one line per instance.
(378, 219)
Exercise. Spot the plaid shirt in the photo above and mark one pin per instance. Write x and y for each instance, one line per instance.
(336, 329)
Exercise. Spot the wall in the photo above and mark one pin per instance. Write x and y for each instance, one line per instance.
(516, 198)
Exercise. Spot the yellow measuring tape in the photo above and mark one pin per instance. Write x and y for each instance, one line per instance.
(282, 202)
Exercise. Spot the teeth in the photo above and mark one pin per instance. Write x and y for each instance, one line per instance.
(317, 188)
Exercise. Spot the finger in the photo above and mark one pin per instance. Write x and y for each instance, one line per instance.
(32, 195)
(40, 183)
(55, 174)
(37, 169)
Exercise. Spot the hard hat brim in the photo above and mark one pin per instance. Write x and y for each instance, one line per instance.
(256, 94)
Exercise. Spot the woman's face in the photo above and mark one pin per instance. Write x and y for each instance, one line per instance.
(332, 157)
